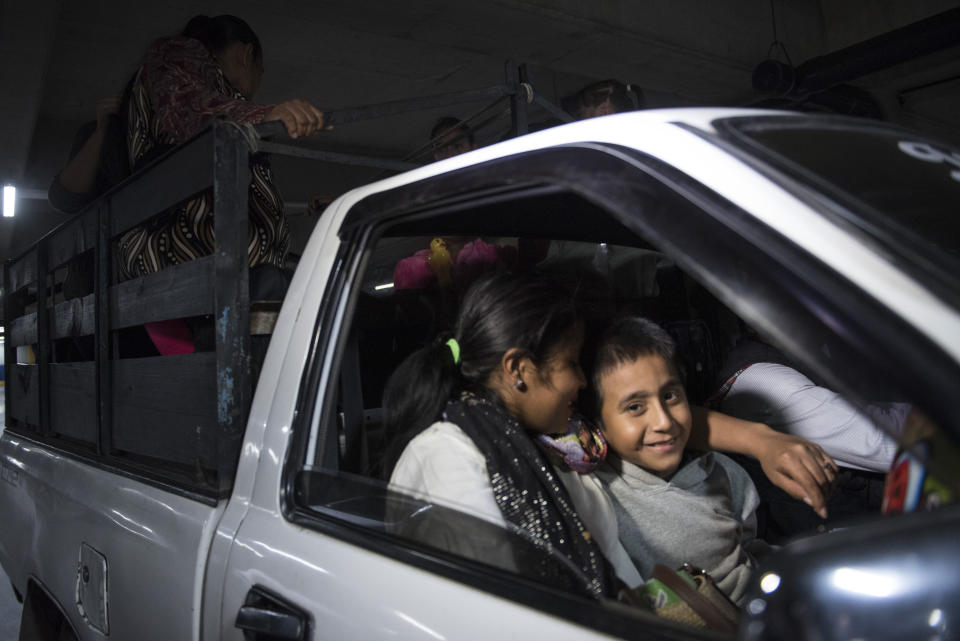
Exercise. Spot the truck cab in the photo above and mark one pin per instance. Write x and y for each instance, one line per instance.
(209, 495)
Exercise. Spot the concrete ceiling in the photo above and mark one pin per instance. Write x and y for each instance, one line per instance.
(59, 58)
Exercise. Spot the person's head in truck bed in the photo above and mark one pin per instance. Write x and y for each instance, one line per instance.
(234, 45)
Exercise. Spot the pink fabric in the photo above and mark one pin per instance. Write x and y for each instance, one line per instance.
(477, 252)
(414, 272)
(170, 336)
(181, 78)
(475, 258)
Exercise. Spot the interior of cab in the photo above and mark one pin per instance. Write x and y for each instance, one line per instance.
(389, 323)
(606, 279)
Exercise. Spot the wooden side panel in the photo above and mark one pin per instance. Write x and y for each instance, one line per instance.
(175, 292)
(74, 317)
(22, 271)
(165, 408)
(23, 399)
(22, 330)
(73, 408)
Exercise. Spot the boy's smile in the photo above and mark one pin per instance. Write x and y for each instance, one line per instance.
(645, 414)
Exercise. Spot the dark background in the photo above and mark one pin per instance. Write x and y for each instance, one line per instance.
(59, 58)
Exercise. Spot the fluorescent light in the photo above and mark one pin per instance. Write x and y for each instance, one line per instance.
(9, 200)
(384, 286)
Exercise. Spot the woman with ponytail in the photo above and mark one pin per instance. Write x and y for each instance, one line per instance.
(483, 421)
(466, 410)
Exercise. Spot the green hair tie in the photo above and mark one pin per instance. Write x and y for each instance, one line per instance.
(455, 349)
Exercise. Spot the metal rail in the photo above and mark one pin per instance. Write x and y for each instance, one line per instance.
(517, 89)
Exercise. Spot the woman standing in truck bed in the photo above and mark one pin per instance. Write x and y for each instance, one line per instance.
(211, 70)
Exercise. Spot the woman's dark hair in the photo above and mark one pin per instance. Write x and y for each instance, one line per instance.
(220, 32)
(527, 311)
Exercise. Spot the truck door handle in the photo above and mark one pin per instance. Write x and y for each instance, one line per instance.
(265, 617)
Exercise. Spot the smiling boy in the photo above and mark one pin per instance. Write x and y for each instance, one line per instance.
(673, 506)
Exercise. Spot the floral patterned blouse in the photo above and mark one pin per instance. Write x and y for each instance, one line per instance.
(178, 90)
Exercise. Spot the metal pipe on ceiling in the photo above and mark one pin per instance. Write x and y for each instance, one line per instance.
(886, 50)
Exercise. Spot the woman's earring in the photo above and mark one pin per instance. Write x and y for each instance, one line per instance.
(520, 385)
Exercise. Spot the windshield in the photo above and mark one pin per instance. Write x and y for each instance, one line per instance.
(898, 186)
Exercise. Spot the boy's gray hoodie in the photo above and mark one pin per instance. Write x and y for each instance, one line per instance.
(703, 515)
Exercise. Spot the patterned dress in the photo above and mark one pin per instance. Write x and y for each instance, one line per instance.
(177, 91)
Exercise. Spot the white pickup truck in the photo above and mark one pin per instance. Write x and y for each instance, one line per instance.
(152, 498)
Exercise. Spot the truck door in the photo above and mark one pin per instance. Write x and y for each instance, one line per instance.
(324, 548)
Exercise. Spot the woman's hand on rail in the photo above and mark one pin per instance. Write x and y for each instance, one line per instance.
(300, 117)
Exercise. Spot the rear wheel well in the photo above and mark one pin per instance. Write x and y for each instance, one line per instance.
(43, 617)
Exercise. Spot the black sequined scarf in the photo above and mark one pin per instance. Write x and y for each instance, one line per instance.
(532, 497)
